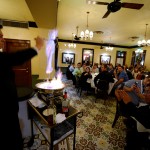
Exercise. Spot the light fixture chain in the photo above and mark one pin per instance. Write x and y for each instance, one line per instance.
(87, 19)
(146, 31)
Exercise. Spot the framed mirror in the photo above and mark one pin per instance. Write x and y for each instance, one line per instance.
(68, 58)
(105, 59)
(138, 58)
(87, 56)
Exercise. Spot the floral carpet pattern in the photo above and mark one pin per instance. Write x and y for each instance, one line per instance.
(94, 131)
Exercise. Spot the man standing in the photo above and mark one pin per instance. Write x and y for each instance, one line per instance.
(11, 134)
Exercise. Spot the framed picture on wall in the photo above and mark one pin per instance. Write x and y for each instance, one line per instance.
(105, 59)
(68, 58)
(87, 56)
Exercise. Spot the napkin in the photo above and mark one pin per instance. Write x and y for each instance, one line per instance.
(36, 101)
(60, 118)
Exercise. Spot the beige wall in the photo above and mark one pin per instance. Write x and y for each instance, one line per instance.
(97, 53)
(38, 63)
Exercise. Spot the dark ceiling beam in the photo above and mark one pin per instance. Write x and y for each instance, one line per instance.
(97, 44)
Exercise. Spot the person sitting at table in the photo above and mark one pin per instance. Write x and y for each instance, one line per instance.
(95, 68)
(111, 69)
(121, 76)
(69, 71)
(83, 67)
(141, 112)
(131, 87)
(83, 79)
(139, 137)
(103, 75)
(76, 74)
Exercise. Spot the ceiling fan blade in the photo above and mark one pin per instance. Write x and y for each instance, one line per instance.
(106, 14)
(132, 5)
(96, 2)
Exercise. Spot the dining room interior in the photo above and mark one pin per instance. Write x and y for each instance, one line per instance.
(109, 32)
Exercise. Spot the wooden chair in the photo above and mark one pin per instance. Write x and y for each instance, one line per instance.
(120, 111)
(82, 87)
(102, 90)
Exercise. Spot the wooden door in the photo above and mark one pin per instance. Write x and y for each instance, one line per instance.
(22, 72)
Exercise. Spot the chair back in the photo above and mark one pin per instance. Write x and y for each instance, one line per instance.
(103, 85)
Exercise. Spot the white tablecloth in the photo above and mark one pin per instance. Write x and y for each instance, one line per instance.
(93, 85)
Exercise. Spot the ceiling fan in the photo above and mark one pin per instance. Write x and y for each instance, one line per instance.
(115, 6)
(76, 37)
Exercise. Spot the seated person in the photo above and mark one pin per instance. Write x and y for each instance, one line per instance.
(141, 114)
(103, 75)
(129, 73)
(72, 67)
(140, 74)
(83, 79)
(111, 69)
(121, 76)
(83, 67)
(131, 87)
(76, 73)
(69, 71)
(95, 68)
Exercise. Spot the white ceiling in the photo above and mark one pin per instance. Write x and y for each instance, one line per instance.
(119, 26)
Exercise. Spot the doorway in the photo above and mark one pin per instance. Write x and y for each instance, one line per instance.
(120, 58)
(23, 72)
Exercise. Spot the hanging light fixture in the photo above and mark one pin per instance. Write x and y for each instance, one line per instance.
(71, 45)
(109, 48)
(139, 51)
(144, 42)
(87, 34)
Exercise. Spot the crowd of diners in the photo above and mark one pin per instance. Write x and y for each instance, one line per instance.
(131, 89)
(82, 72)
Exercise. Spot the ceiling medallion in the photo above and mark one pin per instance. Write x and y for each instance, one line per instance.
(133, 38)
(98, 32)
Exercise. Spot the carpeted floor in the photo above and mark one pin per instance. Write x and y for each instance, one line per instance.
(94, 131)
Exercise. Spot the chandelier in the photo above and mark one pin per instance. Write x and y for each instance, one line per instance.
(139, 51)
(87, 34)
(109, 48)
(144, 42)
(71, 45)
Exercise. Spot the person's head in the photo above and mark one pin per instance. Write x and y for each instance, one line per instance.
(146, 80)
(1, 38)
(111, 66)
(84, 65)
(95, 66)
(120, 68)
(104, 67)
(87, 69)
(79, 65)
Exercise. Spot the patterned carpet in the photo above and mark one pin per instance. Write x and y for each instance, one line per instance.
(94, 131)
